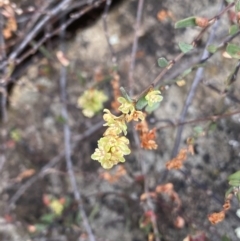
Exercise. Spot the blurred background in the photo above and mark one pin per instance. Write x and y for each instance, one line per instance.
(51, 53)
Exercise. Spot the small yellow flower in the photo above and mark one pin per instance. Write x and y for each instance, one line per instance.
(91, 102)
(153, 97)
(116, 124)
(109, 117)
(136, 116)
(56, 206)
(122, 145)
(100, 154)
(126, 106)
(111, 150)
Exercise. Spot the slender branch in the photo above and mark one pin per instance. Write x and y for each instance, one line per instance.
(36, 16)
(74, 16)
(208, 118)
(221, 45)
(135, 45)
(38, 27)
(55, 160)
(149, 204)
(229, 95)
(33, 179)
(194, 43)
(68, 151)
(191, 93)
(201, 61)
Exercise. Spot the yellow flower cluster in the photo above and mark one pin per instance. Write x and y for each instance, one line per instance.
(91, 102)
(56, 206)
(112, 147)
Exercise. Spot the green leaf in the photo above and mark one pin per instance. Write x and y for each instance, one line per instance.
(78, 218)
(198, 130)
(225, 238)
(233, 50)
(185, 73)
(162, 62)
(234, 183)
(61, 120)
(150, 109)
(233, 29)
(81, 77)
(94, 212)
(237, 6)
(187, 22)
(228, 192)
(181, 76)
(234, 176)
(125, 94)
(141, 103)
(229, 1)
(16, 135)
(212, 126)
(212, 48)
(48, 218)
(67, 202)
(184, 47)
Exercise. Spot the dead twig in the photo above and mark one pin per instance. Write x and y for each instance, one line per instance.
(67, 145)
(62, 5)
(36, 45)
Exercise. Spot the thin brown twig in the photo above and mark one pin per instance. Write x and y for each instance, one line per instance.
(135, 45)
(67, 145)
(36, 16)
(36, 46)
(201, 61)
(51, 164)
(194, 85)
(221, 45)
(194, 43)
(38, 27)
(149, 204)
(203, 119)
